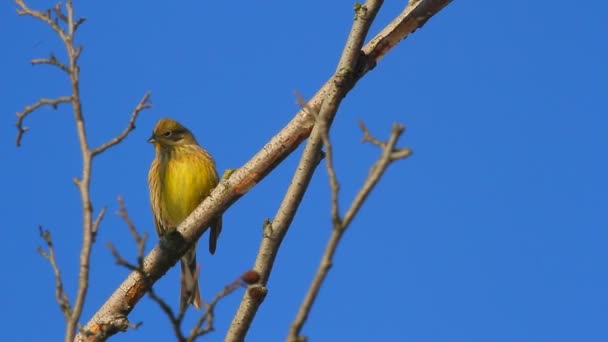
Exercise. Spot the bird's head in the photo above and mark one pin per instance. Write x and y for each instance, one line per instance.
(168, 133)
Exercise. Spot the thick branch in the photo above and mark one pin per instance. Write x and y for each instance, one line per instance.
(204, 324)
(112, 316)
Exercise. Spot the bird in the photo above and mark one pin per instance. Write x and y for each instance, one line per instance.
(181, 175)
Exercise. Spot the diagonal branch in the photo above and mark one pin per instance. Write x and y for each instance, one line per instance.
(389, 154)
(344, 79)
(176, 318)
(340, 225)
(142, 105)
(111, 317)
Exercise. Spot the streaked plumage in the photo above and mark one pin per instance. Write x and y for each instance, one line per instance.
(181, 175)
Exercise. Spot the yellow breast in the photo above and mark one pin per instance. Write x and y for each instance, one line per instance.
(186, 177)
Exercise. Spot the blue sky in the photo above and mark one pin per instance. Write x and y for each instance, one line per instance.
(495, 230)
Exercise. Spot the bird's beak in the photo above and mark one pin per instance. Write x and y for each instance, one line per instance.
(152, 139)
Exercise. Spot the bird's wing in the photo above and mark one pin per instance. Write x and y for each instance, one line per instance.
(160, 230)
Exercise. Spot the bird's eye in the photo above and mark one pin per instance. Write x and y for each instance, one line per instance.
(167, 134)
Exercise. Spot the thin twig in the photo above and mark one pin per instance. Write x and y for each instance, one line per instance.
(60, 296)
(333, 178)
(140, 242)
(59, 14)
(140, 239)
(367, 136)
(209, 316)
(120, 260)
(176, 320)
(389, 154)
(52, 60)
(143, 104)
(97, 221)
(31, 108)
(340, 225)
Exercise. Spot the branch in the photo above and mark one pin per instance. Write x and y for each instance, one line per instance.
(90, 226)
(44, 16)
(142, 105)
(97, 221)
(340, 225)
(389, 154)
(204, 324)
(112, 316)
(60, 295)
(31, 108)
(344, 79)
(52, 60)
(208, 317)
(176, 320)
(413, 17)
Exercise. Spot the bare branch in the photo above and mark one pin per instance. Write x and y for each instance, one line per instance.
(209, 315)
(140, 239)
(52, 60)
(119, 258)
(389, 154)
(60, 296)
(78, 23)
(42, 16)
(333, 178)
(31, 108)
(143, 104)
(367, 137)
(111, 317)
(340, 226)
(97, 221)
(56, 18)
(59, 13)
(413, 17)
(176, 319)
(343, 80)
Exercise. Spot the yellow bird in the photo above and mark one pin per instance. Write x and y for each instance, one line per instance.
(181, 175)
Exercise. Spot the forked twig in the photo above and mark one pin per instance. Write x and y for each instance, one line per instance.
(389, 153)
(142, 105)
(60, 295)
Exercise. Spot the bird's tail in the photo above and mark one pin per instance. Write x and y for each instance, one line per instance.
(190, 293)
